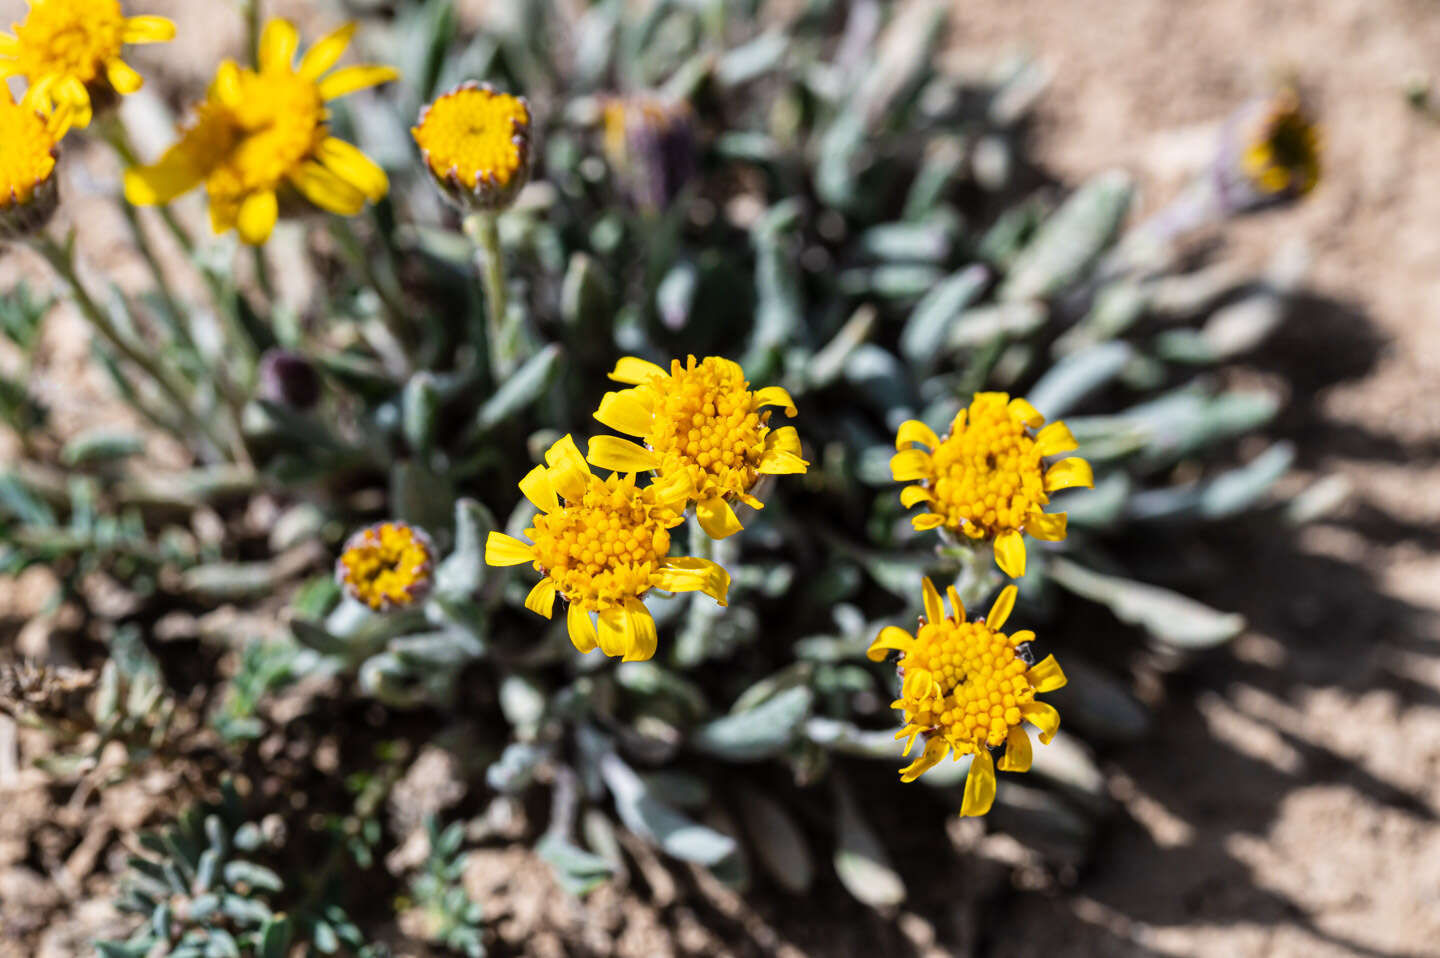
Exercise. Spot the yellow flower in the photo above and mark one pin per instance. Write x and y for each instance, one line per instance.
(1282, 153)
(987, 478)
(967, 688)
(260, 132)
(29, 193)
(601, 544)
(69, 51)
(700, 422)
(475, 142)
(390, 565)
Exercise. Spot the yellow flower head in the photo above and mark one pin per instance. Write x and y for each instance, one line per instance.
(69, 52)
(1282, 151)
(260, 132)
(475, 142)
(967, 688)
(390, 565)
(601, 544)
(29, 192)
(987, 478)
(701, 423)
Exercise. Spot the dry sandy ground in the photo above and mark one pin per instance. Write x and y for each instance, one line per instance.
(1288, 806)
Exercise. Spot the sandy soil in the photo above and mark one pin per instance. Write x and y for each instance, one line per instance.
(1288, 804)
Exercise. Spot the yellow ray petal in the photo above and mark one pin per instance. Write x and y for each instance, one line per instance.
(784, 439)
(1055, 439)
(1018, 751)
(633, 371)
(910, 464)
(125, 80)
(979, 784)
(957, 608)
(642, 625)
(616, 632)
(536, 487)
(350, 164)
(278, 43)
(350, 79)
(891, 638)
(326, 52)
(71, 92)
(927, 521)
(1047, 526)
(1000, 611)
(915, 431)
(258, 213)
(326, 190)
(147, 30)
(1046, 675)
(226, 85)
(503, 550)
(569, 473)
(621, 455)
(934, 609)
(174, 174)
(1068, 473)
(1025, 413)
(582, 630)
(918, 685)
(541, 599)
(1044, 717)
(717, 518)
(914, 495)
(690, 574)
(775, 396)
(626, 412)
(777, 462)
(1010, 553)
(935, 749)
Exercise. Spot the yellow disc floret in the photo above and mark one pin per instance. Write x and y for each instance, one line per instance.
(702, 424)
(1282, 154)
(988, 479)
(475, 142)
(968, 688)
(28, 191)
(70, 53)
(262, 132)
(602, 544)
(387, 566)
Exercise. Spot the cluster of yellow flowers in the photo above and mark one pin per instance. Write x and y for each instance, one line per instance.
(968, 688)
(602, 544)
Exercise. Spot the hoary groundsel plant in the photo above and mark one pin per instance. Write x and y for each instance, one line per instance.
(749, 338)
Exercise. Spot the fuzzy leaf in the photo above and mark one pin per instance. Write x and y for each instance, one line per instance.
(1167, 616)
(650, 818)
(764, 731)
(860, 860)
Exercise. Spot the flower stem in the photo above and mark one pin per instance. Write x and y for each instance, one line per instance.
(500, 334)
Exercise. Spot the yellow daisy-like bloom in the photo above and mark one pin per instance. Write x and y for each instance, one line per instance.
(601, 544)
(69, 51)
(390, 565)
(987, 478)
(700, 422)
(1283, 151)
(475, 142)
(967, 688)
(261, 132)
(29, 192)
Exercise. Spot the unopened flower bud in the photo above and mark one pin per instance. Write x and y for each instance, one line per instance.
(289, 379)
(390, 565)
(476, 144)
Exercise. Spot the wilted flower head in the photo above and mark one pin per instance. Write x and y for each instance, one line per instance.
(69, 51)
(701, 424)
(475, 142)
(261, 133)
(987, 479)
(1270, 152)
(968, 688)
(601, 544)
(29, 192)
(390, 565)
(650, 142)
(290, 379)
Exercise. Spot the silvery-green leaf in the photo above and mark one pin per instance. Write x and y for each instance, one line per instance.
(1168, 616)
(1117, 306)
(585, 294)
(648, 817)
(680, 789)
(930, 323)
(1077, 376)
(1230, 493)
(860, 859)
(904, 57)
(1181, 423)
(275, 937)
(531, 381)
(463, 571)
(1043, 821)
(792, 676)
(652, 680)
(578, 871)
(747, 146)
(420, 407)
(897, 281)
(522, 701)
(981, 325)
(419, 495)
(437, 651)
(928, 240)
(765, 730)
(778, 841)
(1101, 507)
(992, 162)
(944, 156)
(753, 59)
(1322, 498)
(1068, 762)
(255, 876)
(881, 380)
(515, 769)
(675, 296)
(849, 739)
(779, 299)
(1016, 94)
(1102, 709)
(100, 446)
(1070, 240)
